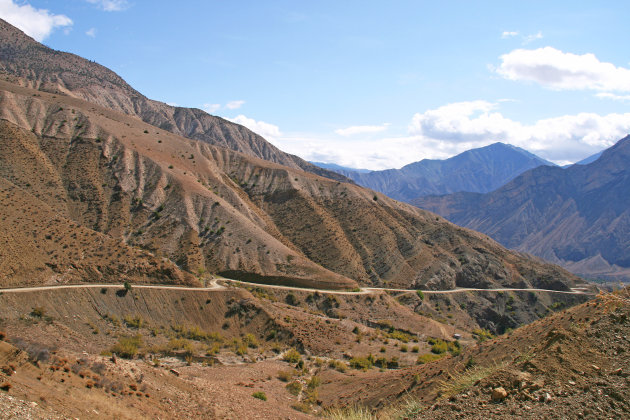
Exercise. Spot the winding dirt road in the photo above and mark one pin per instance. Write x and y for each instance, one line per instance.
(214, 285)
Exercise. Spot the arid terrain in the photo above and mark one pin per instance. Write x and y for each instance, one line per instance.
(160, 262)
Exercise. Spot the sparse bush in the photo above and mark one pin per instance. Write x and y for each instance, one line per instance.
(400, 335)
(428, 357)
(38, 312)
(439, 347)
(291, 299)
(482, 334)
(420, 294)
(404, 348)
(294, 388)
(286, 375)
(127, 346)
(250, 341)
(415, 349)
(360, 363)
(314, 382)
(292, 356)
(338, 365)
(260, 395)
(133, 321)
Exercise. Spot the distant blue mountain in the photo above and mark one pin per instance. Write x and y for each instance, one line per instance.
(338, 168)
(590, 159)
(578, 217)
(478, 170)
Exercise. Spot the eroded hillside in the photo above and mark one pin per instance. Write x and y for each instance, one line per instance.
(212, 209)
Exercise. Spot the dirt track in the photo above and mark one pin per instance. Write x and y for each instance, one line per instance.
(214, 285)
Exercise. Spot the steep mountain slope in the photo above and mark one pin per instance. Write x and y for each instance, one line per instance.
(571, 364)
(477, 170)
(209, 208)
(578, 217)
(29, 63)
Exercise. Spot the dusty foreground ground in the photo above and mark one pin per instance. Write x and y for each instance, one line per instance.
(249, 354)
(226, 353)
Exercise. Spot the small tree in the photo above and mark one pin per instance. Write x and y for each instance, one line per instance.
(127, 286)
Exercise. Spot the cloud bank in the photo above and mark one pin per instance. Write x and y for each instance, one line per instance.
(361, 129)
(268, 131)
(37, 23)
(558, 70)
(451, 129)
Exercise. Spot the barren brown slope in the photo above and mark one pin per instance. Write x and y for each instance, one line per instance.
(29, 63)
(571, 364)
(38, 245)
(210, 208)
(192, 213)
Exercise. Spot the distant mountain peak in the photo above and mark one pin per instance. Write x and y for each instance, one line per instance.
(477, 170)
(563, 215)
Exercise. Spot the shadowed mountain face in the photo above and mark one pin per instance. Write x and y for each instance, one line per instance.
(477, 170)
(34, 65)
(209, 208)
(578, 217)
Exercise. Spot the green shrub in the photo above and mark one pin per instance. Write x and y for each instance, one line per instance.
(482, 334)
(428, 357)
(360, 363)
(127, 346)
(420, 294)
(250, 341)
(294, 388)
(439, 347)
(338, 365)
(292, 356)
(286, 375)
(314, 382)
(260, 395)
(133, 321)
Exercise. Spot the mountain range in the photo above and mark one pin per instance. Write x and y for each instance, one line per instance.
(578, 217)
(206, 194)
(476, 170)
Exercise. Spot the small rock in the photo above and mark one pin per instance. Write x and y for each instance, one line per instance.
(174, 372)
(499, 394)
(571, 383)
(618, 372)
(595, 367)
(547, 398)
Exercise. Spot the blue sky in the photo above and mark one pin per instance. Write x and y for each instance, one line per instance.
(368, 84)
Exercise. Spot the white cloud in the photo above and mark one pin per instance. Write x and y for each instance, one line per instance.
(37, 23)
(451, 129)
(461, 126)
(91, 32)
(211, 108)
(268, 131)
(533, 37)
(234, 104)
(508, 34)
(558, 70)
(361, 129)
(614, 97)
(111, 5)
